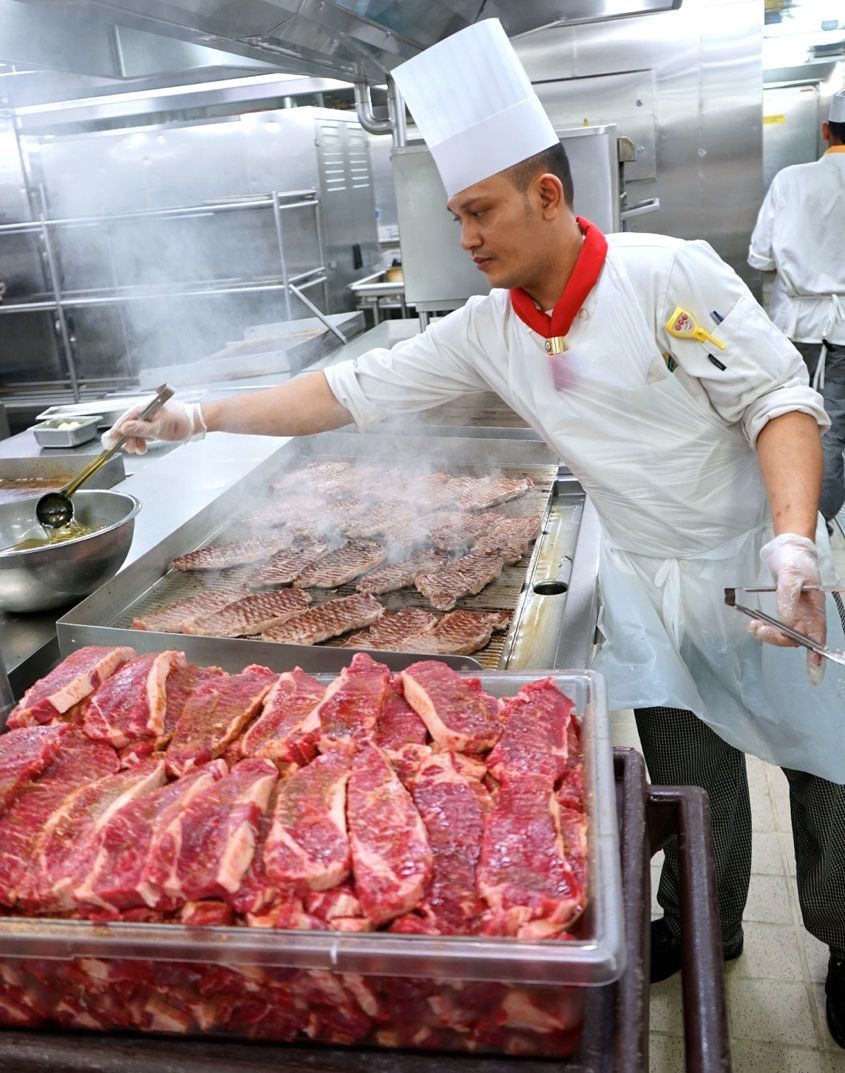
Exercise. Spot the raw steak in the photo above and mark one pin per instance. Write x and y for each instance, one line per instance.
(176, 616)
(73, 680)
(284, 566)
(399, 575)
(330, 619)
(479, 493)
(523, 874)
(389, 630)
(278, 733)
(398, 724)
(131, 704)
(117, 880)
(308, 847)
(458, 713)
(463, 577)
(251, 614)
(459, 633)
(224, 556)
(24, 754)
(207, 848)
(453, 530)
(570, 792)
(534, 741)
(344, 564)
(215, 714)
(510, 538)
(256, 892)
(79, 760)
(180, 684)
(352, 704)
(338, 909)
(454, 809)
(68, 843)
(391, 857)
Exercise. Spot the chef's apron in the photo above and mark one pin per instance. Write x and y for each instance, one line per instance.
(684, 514)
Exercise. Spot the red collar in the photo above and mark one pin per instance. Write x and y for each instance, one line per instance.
(584, 275)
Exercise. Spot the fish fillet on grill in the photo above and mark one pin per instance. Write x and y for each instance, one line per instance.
(463, 577)
(390, 630)
(327, 620)
(344, 564)
(459, 633)
(251, 614)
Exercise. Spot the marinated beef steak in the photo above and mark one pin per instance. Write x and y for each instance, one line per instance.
(509, 538)
(481, 493)
(251, 614)
(284, 566)
(330, 619)
(389, 517)
(308, 846)
(463, 577)
(131, 704)
(75, 678)
(344, 564)
(398, 724)
(278, 734)
(535, 738)
(24, 754)
(352, 705)
(459, 633)
(523, 874)
(454, 530)
(458, 713)
(215, 714)
(226, 555)
(399, 575)
(391, 857)
(175, 617)
(180, 684)
(391, 629)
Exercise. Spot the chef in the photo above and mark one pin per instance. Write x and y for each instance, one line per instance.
(798, 239)
(647, 365)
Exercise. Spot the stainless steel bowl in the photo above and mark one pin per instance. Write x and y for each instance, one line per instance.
(56, 575)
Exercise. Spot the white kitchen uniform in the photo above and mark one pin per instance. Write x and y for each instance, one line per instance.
(799, 234)
(668, 460)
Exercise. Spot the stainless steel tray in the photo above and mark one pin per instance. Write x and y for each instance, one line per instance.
(538, 592)
(21, 478)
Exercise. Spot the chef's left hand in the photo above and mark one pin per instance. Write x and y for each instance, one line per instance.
(793, 561)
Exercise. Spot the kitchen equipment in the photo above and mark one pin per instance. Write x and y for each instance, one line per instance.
(66, 431)
(802, 639)
(546, 630)
(24, 478)
(277, 976)
(55, 575)
(54, 509)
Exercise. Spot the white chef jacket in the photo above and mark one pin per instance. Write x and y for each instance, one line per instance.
(799, 234)
(667, 458)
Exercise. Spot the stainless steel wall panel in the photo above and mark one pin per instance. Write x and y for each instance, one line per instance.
(791, 123)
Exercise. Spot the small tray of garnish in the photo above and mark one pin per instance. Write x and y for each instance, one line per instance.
(66, 431)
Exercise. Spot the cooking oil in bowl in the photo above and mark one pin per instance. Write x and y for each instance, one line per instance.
(70, 531)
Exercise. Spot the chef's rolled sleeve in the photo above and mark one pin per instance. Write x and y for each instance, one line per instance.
(417, 374)
(760, 251)
(758, 374)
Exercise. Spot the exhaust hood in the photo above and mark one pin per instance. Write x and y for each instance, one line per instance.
(351, 40)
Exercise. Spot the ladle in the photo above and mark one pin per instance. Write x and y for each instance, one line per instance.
(54, 509)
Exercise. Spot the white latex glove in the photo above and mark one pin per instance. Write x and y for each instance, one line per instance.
(176, 421)
(793, 561)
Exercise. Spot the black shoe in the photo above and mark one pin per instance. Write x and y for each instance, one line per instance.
(835, 1006)
(666, 953)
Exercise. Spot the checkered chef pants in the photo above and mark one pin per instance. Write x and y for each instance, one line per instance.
(681, 750)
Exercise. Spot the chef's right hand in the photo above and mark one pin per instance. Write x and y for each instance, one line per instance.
(176, 421)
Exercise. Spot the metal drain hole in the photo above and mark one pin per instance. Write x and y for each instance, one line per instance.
(551, 588)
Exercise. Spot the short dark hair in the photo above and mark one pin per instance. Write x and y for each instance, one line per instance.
(838, 131)
(554, 160)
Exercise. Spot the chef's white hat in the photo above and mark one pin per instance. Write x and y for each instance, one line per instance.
(474, 104)
(837, 107)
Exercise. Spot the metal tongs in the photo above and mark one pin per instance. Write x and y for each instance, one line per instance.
(802, 639)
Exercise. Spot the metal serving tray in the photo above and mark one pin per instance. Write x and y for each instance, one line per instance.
(595, 959)
(537, 593)
(81, 430)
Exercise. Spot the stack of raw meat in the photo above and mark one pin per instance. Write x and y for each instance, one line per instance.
(140, 788)
(452, 544)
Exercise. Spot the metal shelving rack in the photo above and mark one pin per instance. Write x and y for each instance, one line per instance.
(59, 301)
